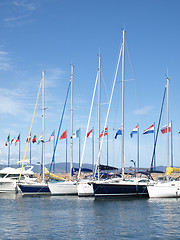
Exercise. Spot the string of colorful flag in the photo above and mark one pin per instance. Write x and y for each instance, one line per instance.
(76, 134)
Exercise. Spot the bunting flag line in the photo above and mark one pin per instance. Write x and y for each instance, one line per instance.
(164, 128)
(149, 130)
(17, 140)
(119, 132)
(76, 134)
(64, 135)
(52, 136)
(134, 131)
(34, 139)
(103, 133)
(89, 134)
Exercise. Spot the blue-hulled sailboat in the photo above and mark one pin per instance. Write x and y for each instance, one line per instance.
(122, 187)
(42, 187)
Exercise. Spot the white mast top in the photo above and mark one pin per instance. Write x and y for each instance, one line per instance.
(167, 86)
(122, 126)
(43, 116)
(71, 160)
(99, 111)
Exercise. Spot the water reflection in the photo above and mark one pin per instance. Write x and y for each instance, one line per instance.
(9, 195)
(70, 217)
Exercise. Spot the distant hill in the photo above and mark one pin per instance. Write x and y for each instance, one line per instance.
(61, 167)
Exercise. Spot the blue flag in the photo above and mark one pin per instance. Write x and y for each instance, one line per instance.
(119, 132)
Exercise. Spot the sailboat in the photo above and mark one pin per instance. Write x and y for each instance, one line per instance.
(169, 187)
(36, 188)
(85, 187)
(122, 187)
(66, 187)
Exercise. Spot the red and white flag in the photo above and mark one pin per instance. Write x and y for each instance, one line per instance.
(52, 136)
(12, 140)
(17, 140)
(164, 129)
(103, 133)
(89, 134)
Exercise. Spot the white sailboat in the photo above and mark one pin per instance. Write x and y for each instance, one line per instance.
(66, 187)
(85, 187)
(122, 187)
(169, 187)
(36, 188)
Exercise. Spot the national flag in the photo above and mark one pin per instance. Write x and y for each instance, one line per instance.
(52, 136)
(89, 134)
(8, 138)
(104, 132)
(119, 132)
(64, 135)
(164, 129)
(17, 140)
(40, 139)
(76, 134)
(12, 140)
(149, 130)
(134, 131)
(34, 139)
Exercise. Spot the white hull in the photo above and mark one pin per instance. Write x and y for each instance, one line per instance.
(10, 176)
(7, 185)
(63, 188)
(85, 189)
(164, 190)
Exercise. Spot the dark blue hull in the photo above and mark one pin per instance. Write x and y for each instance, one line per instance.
(120, 190)
(34, 189)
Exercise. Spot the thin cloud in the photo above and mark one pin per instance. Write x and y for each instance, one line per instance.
(30, 6)
(10, 103)
(53, 75)
(23, 9)
(4, 61)
(143, 111)
(15, 19)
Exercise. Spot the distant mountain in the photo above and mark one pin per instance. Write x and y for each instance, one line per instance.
(61, 167)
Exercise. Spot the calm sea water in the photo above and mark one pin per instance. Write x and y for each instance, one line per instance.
(86, 218)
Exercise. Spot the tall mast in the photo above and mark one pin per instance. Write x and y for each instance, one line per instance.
(43, 116)
(167, 86)
(71, 160)
(99, 109)
(122, 147)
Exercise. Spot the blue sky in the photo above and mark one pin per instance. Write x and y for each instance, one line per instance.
(51, 35)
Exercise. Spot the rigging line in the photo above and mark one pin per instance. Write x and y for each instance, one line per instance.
(152, 161)
(59, 127)
(131, 65)
(104, 85)
(30, 131)
(174, 107)
(115, 77)
(133, 73)
(82, 156)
